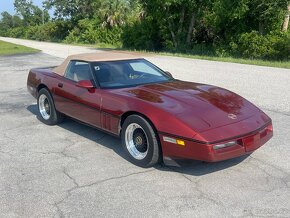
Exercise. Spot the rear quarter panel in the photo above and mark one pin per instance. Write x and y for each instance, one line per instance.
(37, 77)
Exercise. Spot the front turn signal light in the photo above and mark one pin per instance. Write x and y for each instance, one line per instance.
(174, 140)
(180, 142)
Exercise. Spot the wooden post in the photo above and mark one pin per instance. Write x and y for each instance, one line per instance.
(286, 21)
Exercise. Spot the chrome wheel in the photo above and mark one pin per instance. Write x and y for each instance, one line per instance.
(136, 141)
(44, 107)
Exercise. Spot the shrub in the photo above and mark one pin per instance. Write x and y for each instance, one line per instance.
(254, 45)
(275, 45)
(18, 32)
(90, 32)
(51, 31)
(57, 30)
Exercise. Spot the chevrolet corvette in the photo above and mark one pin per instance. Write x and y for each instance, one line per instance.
(156, 116)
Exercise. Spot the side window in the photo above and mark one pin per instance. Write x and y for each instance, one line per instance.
(78, 70)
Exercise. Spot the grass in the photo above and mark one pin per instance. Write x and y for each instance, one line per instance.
(7, 48)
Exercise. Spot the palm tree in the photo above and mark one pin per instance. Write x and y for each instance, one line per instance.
(114, 12)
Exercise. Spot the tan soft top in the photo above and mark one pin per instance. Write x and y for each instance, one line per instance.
(93, 57)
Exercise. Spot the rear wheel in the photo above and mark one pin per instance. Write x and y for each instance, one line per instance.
(48, 114)
(140, 142)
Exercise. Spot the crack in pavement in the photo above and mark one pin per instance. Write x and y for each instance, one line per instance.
(196, 186)
(178, 172)
(270, 165)
(115, 178)
(22, 126)
(8, 137)
(76, 186)
(62, 152)
(269, 175)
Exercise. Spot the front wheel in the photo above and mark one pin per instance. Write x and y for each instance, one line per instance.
(48, 114)
(140, 141)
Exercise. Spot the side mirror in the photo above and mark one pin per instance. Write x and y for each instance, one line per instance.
(87, 84)
(168, 74)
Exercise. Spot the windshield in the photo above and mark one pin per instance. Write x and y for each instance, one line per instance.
(126, 73)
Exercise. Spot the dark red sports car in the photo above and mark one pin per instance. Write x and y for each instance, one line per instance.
(156, 115)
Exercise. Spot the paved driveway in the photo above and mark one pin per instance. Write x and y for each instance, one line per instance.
(72, 170)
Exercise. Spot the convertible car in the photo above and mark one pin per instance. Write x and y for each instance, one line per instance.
(157, 117)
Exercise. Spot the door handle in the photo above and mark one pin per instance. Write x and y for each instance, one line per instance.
(60, 85)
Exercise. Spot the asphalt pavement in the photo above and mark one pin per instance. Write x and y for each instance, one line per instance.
(71, 170)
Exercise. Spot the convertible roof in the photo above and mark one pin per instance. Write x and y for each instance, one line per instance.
(93, 57)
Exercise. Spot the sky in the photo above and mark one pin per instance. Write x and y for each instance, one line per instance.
(7, 5)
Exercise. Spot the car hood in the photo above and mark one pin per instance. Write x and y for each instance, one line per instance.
(201, 107)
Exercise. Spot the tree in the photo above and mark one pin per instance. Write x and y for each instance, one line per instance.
(232, 18)
(177, 19)
(267, 14)
(228, 18)
(114, 12)
(6, 21)
(73, 10)
(17, 22)
(109, 12)
(31, 14)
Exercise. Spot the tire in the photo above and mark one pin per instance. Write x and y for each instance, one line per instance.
(140, 142)
(48, 114)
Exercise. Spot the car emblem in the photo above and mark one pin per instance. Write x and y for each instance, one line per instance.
(232, 116)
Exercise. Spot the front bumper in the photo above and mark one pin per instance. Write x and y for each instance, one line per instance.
(205, 151)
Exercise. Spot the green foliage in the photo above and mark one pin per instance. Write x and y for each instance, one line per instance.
(18, 32)
(223, 28)
(176, 20)
(256, 46)
(142, 35)
(8, 21)
(31, 14)
(109, 12)
(88, 31)
(73, 9)
(267, 14)
(228, 17)
(51, 31)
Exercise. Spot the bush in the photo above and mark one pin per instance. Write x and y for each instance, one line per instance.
(281, 44)
(253, 45)
(275, 46)
(18, 32)
(90, 32)
(51, 31)
(57, 30)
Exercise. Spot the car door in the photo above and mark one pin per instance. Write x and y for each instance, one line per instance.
(77, 102)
